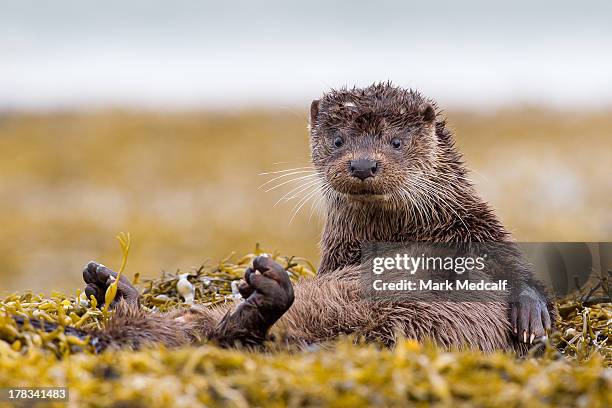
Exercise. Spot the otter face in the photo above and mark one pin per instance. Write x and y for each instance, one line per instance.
(372, 142)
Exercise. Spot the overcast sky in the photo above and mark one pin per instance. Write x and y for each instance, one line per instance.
(56, 54)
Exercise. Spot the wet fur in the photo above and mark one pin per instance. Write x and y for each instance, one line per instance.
(345, 309)
(334, 303)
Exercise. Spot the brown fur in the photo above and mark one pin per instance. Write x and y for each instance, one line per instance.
(325, 308)
(420, 194)
(437, 203)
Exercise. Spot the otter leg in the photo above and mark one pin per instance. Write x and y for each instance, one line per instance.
(133, 327)
(529, 316)
(268, 293)
(98, 278)
(267, 290)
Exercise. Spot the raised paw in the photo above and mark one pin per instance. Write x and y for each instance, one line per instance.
(268, 293)
(267, 286)
(98, 278)
(529, 316)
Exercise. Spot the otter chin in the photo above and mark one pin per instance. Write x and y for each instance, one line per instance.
(365, 196)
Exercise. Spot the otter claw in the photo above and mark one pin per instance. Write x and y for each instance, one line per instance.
(529, 315)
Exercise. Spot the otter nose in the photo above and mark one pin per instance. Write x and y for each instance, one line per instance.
(363, 168)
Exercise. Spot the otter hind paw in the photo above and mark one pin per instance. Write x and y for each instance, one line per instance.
(267, 285)
(98, 278)
(269, 294)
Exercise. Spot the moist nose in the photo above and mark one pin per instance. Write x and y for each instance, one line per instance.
(363, 168)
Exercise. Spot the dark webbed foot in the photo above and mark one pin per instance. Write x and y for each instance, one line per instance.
(268, 293)
(529, 316)
(267, 286)
(98, 278)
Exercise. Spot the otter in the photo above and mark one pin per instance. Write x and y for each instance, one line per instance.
(391, 173)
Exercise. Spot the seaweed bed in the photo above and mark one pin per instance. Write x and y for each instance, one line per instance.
(574, 371)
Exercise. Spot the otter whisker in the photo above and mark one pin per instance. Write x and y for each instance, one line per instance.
(286, 175)
(291, 181)
(482, 176)
(427, 205)
(398, 198)
(440, 195)
(302, 201)
(430, 194)
(442, 191)
(446, 181)
(415, 205)
(278, 163)
(317, 204)
(297, 190)
(451, 177)
(286, 170)
(418, 189)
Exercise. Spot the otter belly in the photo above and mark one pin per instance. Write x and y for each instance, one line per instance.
(476, 325)
(329, 306)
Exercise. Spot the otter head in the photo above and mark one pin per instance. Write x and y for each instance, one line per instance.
(372, 143)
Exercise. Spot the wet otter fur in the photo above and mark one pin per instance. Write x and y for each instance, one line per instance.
(391, 173)
(423, 190)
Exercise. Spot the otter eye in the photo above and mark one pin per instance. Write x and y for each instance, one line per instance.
(338, 141)
(396, 143)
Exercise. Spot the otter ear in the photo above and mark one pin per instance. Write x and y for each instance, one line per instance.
(314, 111)
(428, 113)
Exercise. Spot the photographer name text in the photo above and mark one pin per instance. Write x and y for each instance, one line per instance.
(445, 286)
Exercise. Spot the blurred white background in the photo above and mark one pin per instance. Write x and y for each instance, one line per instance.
(190, 53)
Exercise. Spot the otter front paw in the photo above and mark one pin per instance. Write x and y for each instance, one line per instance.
(529, 316)
(98, 278)
(268, 287)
